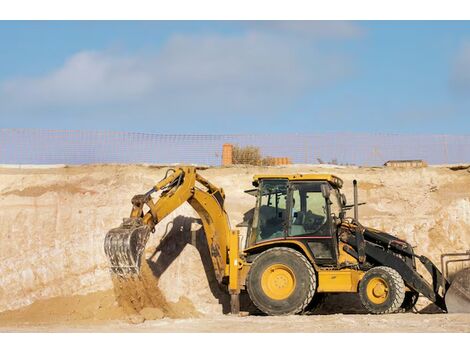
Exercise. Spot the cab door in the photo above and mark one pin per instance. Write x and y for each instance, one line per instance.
(270, 216)
(309, 220)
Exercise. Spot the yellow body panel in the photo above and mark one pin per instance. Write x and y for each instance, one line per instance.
(343, 256)
(344, 280)
(334, 180)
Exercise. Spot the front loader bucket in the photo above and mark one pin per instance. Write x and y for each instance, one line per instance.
(457, 297)
(456, 286)
(124, 246)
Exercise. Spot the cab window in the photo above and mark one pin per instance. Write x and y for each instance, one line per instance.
(309, 211)
(272, 210)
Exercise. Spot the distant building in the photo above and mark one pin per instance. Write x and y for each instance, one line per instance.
(406, 163)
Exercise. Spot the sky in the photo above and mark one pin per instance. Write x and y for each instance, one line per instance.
(207, 77)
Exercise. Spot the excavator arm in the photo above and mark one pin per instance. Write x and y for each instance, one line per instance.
(124, 246)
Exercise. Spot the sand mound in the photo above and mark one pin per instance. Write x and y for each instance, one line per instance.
(140, 298)
(134, 300)
(95, 306)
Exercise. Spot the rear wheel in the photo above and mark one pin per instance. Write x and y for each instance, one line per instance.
(382, 290)
(281, 281)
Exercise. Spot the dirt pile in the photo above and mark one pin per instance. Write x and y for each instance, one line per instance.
(141, 299)
(96, 306)
(134, 300)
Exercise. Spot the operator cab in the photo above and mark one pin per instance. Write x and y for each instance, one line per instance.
(303, 208)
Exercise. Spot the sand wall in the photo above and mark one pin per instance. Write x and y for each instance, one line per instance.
(53, 221)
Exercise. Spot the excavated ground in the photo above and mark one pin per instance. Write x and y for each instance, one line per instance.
(54, 276)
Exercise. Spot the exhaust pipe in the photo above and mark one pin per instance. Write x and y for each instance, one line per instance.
(356, 204)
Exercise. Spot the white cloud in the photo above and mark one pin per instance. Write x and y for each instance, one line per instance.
(196, 74)
(85, 78)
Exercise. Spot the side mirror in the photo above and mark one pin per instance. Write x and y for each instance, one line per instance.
(325, 191)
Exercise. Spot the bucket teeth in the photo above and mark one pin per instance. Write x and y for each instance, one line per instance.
(124, 246)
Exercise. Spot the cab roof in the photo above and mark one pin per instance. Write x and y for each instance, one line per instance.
(332, 179)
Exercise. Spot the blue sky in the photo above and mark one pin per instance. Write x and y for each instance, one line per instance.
(236, 77)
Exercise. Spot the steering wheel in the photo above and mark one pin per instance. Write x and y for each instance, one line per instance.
(313, 221)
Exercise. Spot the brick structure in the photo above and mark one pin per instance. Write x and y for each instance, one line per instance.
(227, 154)
(281, 161)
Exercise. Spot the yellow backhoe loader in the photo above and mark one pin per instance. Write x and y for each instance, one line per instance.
(299, 244)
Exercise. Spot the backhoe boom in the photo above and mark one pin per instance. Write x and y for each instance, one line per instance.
(125, 245)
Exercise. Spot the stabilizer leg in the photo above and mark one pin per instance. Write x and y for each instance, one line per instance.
(235, 303)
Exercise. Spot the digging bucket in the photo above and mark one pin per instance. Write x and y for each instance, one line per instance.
(124, 246)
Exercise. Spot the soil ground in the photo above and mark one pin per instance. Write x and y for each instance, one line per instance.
(403, 323)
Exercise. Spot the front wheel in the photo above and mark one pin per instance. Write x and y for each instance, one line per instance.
(382, 290)
(281, 281)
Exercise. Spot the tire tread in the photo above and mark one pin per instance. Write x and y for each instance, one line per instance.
(397, 282)
(312, 278)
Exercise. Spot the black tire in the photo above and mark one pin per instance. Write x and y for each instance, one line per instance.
(395, 290)
(411, 298)
(303, 284)
(316, 304)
